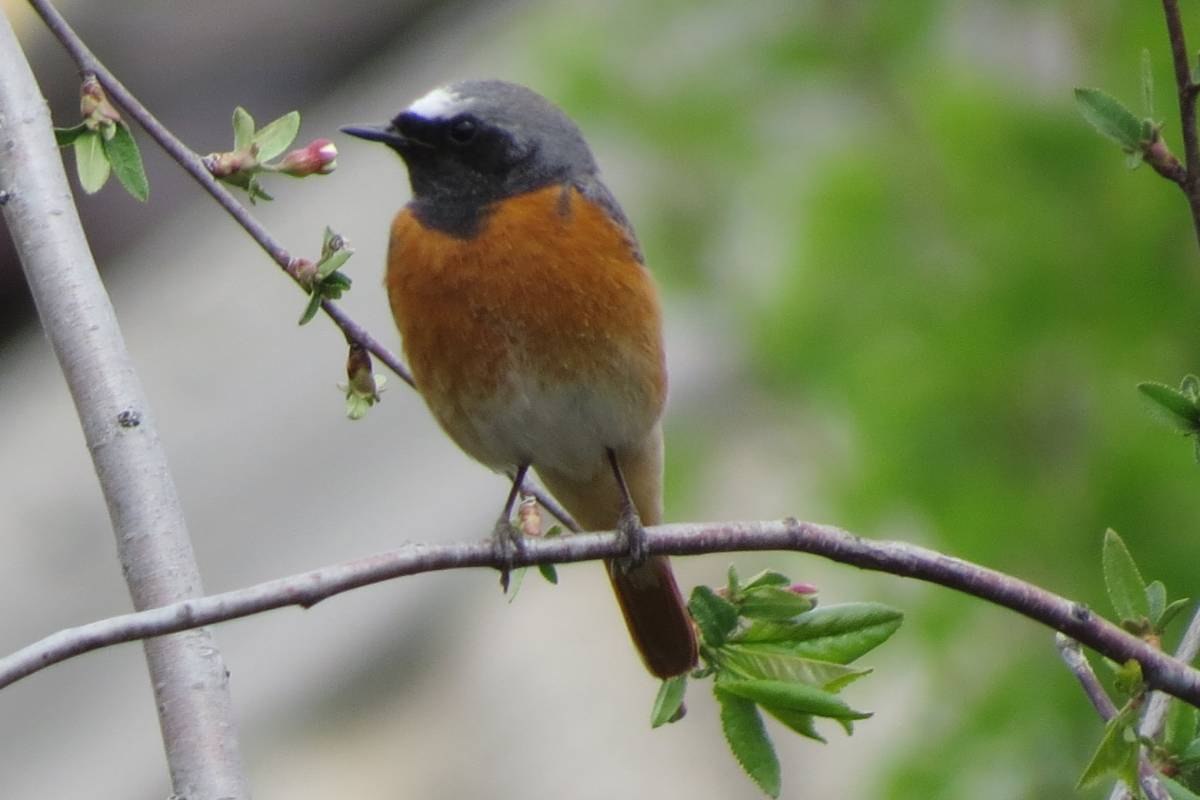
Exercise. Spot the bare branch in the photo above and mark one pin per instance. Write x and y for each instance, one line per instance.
(1186, 91)
(188, 674)
(1072, 654)
(906, 560)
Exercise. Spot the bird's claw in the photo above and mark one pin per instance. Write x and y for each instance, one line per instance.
(629, 525)
(508, 543)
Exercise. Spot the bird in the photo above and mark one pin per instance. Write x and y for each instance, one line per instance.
(532, 327)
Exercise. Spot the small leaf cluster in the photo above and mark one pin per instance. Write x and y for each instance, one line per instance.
(323, 280)
(1142, 609)
(1178, 408)
(255, 148)
(769, 649)
(103, 144)
(1113, 120)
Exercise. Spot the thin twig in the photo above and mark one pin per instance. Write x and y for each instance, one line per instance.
(1075, 620)
(191, 163)
(1186, 91)
(187, 672)
(1076, 661)
(1073, 655)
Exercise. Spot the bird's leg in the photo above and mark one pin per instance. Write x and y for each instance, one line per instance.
(629, 524)
(506, 538)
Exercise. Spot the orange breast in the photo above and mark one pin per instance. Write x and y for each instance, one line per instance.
(540, 335)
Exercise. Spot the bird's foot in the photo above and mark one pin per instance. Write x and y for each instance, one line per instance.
(629, 525)
(508, 543)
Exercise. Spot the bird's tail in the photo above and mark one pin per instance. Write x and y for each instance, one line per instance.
(654, 610)
(656, 615)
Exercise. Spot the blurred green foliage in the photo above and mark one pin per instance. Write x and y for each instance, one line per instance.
(920, 237)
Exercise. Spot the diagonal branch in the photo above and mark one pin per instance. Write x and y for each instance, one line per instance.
(187, 672)
(194, 166)
(1161, 671)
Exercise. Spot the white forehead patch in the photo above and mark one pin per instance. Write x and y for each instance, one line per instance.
(436, 104)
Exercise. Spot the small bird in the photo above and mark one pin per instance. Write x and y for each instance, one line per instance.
(533, 328)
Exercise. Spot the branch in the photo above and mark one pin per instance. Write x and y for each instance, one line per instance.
(192, 164)
(1186, 92)
(1077, 662)
(187, 672)
(898, 558)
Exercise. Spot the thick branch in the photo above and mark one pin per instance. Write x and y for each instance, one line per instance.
(1074, 619)
(187, 672)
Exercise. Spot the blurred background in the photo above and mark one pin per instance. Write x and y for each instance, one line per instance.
(908, 292)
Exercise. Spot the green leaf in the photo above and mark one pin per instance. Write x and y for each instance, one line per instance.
(67, 136)
(1117, 753)
(669, 701)
(1180, 727)
(1177, 790)
(1128, 679)
(734, 586)
(1106, 114)
(1126, 589)
(330, 264)
(314, 305)
(1191, 755)
(1172, 406)
(277, 136)
(1171, 611)
(1156, 600)
(773, 602)
(791, 696)
(243, 129)
(747, 737)
(122, 152)
(549, 572)
(331, 287)
(514, 584)
(802, 724)
(837, 633)
(1147, 84)
(90, 162)
(767, 578)
(754, 662)
(716, 616)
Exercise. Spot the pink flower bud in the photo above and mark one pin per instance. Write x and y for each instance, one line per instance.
(318, 158)
(802, 588)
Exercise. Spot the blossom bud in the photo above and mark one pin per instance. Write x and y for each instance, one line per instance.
(318, 158)
(304, 270)
(94, 107)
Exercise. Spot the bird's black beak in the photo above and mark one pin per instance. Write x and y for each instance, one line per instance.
(387, 134)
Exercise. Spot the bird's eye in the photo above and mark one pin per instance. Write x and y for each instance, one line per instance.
(463, 130)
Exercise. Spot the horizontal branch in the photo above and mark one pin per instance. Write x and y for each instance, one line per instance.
(1160, 670)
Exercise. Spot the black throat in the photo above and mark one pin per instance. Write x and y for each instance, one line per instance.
(462, 220)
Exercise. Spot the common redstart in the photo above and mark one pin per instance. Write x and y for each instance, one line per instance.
(532, 326)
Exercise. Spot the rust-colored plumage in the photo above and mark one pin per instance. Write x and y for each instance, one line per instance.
(532, 327)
